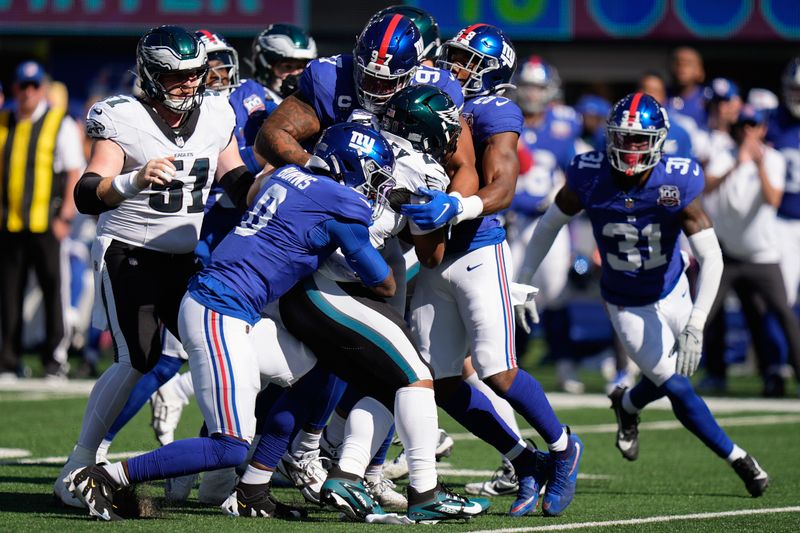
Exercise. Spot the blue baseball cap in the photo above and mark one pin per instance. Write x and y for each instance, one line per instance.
(723, 89)
(590, 104)
(29, 72)
(750, 115)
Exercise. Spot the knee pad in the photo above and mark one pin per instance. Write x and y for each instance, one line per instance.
(228, 451)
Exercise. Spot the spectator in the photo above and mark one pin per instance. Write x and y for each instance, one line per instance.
(723, 107)
(40, 164)
(747, 184)
(687, 94)
(594, 111)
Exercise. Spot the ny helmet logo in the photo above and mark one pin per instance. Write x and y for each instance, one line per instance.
(508, 56)
(361, 142)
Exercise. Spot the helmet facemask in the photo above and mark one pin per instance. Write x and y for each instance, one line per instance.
(377, 186)
(632, 151)
(375, 84)
(224, 71)
(460, 59)
(169, 94)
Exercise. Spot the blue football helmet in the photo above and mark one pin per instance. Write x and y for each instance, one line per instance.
(359, 157)
(386, 56)
(482, 59)
(636, 129)
(223, 74)
(538, 83)
(791, 87)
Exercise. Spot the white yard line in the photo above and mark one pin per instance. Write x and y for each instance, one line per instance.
(734, 421)
(447, 469)
(648, 520)
(60, 460)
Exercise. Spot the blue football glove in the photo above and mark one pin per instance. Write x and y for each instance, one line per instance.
(435, 213)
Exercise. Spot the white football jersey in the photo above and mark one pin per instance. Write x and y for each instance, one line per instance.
(412, 170)
(166, 219)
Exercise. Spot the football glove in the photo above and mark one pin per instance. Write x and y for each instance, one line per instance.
(690, 349)
(435, 213)
(526, 314)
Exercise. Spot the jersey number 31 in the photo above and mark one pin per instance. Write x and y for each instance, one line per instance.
(629, 258)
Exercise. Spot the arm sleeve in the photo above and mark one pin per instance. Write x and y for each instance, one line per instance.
(543, 236)
(706, 250)
(354, 241)
(85, 193)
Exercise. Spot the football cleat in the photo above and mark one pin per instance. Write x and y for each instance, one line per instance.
(177, 489)
(627, 426)
(440, 503)
(398, 468)
(444, 447)
(530, 485)
(755, 478)
(307, 473)
(348, 494)
(166, 407)
(563, 477)
(95, 488)
(217, 485)
(60, 490)
(383, 492)
(504, 481)
(255, 501)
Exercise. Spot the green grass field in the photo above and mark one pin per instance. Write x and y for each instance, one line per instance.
(675, 475)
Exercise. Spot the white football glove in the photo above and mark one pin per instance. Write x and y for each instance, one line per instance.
(690, 349)
(526, 314)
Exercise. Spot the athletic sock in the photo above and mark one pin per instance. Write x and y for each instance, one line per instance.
(187, 456)
(417, 424)
(256, 476)
(117, 472)
(334, 431)
(366, 428)
(102, 450)
(502, 407)
(528, 399)
(736, 454)
(305, 441)
(473, 410)
(106, 400)
(642, 394)
(694, 414)
(331, 390)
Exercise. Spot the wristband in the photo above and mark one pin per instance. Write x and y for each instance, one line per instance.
(125, 184)
(698, 319)
(471, 208)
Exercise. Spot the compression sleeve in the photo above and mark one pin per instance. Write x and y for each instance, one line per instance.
(86, 199)
(706, 250)
(543, 236)
(236, 183)
(362, 257)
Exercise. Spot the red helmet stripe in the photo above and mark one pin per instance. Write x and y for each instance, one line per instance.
(208, 35)
(634, 106)
(387, 38)
(470, 29)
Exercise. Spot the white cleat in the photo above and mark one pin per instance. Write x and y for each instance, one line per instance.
(383, 492)
(307, 473)
(397, 469)
(217, 485)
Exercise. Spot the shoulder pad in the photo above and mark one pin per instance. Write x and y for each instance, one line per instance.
(103, 115)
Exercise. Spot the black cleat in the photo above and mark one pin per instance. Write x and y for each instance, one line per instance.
(627, 426)
(256, 501)
(93, 486)
(755, 478)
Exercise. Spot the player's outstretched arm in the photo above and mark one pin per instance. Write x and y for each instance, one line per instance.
(565, 206)
(705, 247)
(234, 175)
(461, 166)
(278, 140)
(363, 258)
(500, 171)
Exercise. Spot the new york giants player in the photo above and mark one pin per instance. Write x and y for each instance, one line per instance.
(153, 160)
(452, 312)
(298, 218)
(638, 204)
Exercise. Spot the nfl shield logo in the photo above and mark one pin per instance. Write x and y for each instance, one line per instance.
(669, 196)
(179, 141)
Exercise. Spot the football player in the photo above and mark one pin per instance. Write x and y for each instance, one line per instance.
(223, 62)
(297, 219)
(638, 204)
(425, 23)
(453, 311)
(153, 159)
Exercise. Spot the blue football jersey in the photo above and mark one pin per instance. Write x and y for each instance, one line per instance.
(273, 246)
(678, 142)
(328, 85)
(636, 231)
(486, 116)
(252, 104)
(784, 134)
(551, 145)
(693, 106)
